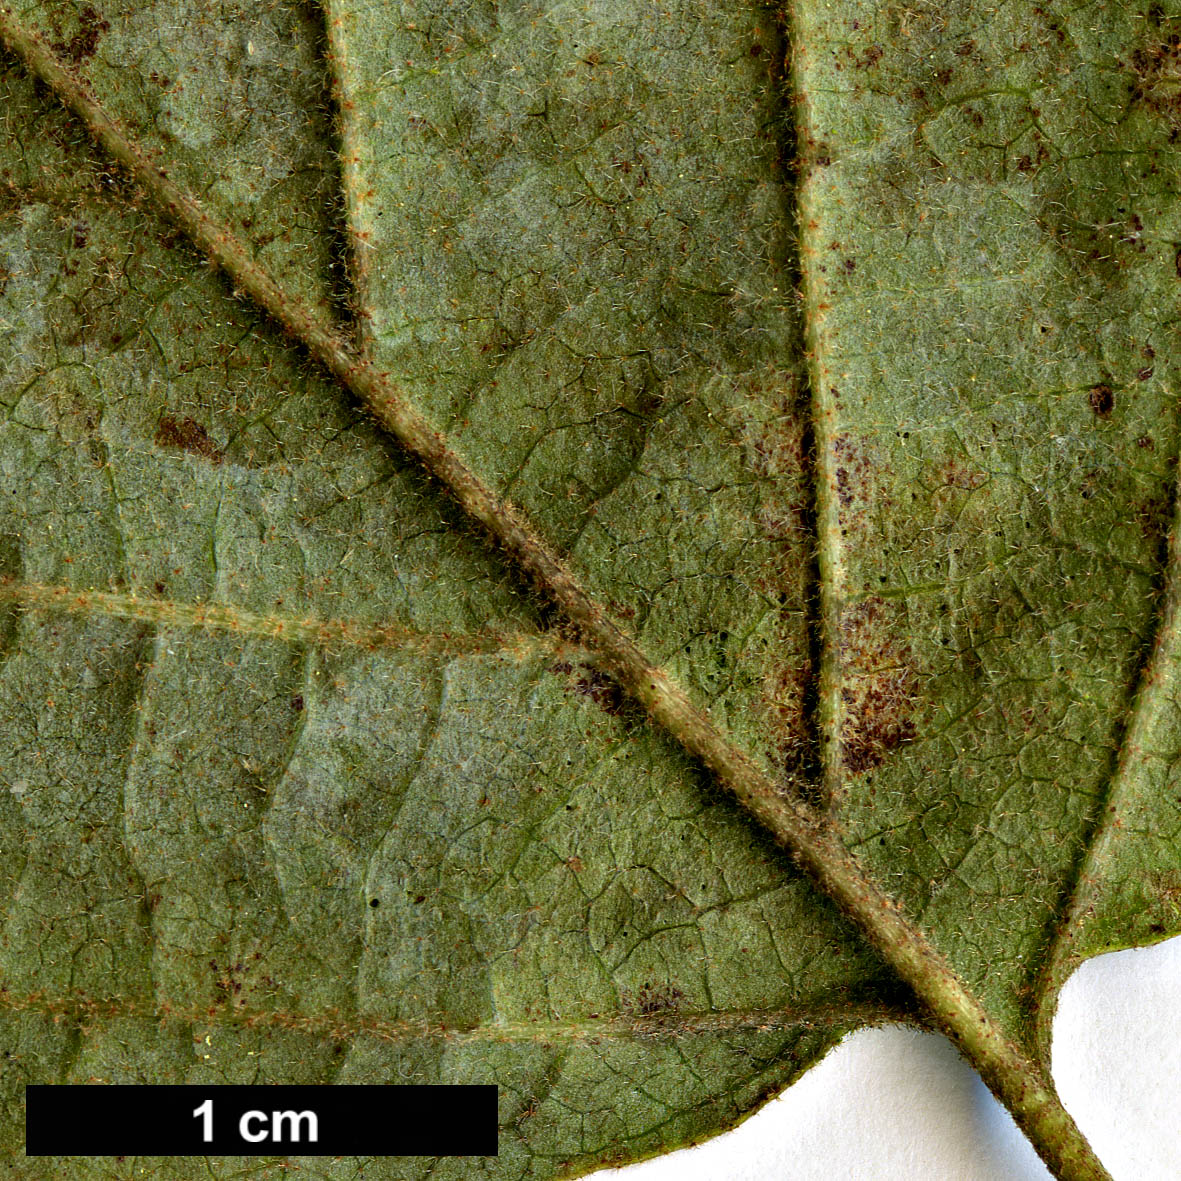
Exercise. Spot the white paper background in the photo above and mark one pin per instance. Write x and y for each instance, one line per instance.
(897, 1105)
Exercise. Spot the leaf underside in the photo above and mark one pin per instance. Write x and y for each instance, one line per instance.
(303, 786)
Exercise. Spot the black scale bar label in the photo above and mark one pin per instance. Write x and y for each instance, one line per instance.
(97, 1120)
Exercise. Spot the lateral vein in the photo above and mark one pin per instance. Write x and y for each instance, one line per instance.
(659, 1026)
(329, 634)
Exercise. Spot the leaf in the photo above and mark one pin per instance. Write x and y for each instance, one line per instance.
(304, 785)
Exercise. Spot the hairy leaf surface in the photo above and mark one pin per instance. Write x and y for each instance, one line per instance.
(850, 392)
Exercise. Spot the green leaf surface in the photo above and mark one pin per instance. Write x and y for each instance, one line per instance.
(846, 383)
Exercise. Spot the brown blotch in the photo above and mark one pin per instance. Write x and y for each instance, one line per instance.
(1102, 399)
(84, 43)
(1028, 163)
(853, 472)
(1154, 72)
(777, 453)
(653, 1000)
(591, 682)
(956, 473)
(1152, 516)
(186, 434)
(869, 58)
(878, 689)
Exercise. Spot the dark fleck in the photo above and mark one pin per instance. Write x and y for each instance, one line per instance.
(297, 703)
(1144, 374)
(1102, 400)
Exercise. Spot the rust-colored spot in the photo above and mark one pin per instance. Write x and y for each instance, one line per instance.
(1102, 399)
(878, 687)
(186, 434)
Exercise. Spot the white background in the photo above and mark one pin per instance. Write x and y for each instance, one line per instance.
(898, 1105)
